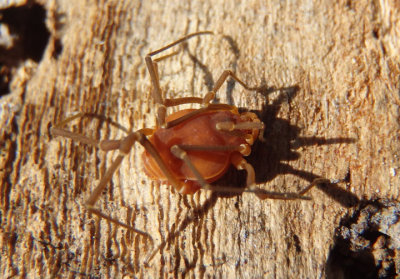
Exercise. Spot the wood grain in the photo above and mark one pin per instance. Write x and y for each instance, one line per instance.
(334, 113)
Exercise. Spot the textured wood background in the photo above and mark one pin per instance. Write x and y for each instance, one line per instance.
(335, 114)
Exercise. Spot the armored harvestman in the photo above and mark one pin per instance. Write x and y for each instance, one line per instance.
(191, 148)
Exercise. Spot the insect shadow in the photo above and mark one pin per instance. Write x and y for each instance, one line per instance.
(269, 157)
(281, 139)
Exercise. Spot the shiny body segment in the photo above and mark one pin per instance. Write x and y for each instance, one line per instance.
(199, 130)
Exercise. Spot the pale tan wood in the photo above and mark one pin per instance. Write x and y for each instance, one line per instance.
(344, 59)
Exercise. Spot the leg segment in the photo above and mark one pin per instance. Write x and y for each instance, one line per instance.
(241, 164)
(224, 76)
(124, 146)
(57, 130)
(180, 153)
(153, 71)
(248, 125)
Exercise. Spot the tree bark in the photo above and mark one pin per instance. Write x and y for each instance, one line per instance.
(330, 103)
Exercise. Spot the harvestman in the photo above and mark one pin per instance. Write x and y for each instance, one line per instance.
(237, 132)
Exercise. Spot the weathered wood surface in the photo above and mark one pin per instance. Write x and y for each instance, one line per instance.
(337, 70)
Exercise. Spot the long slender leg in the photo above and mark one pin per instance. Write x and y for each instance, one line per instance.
(105, 145)
(124, 146)
(157, 93)
(90, 115)
(190, 100)
(182, 101)
(210, 95)
(241, 164)
(152, 68)
(224, 76)
(161, 108)
(181, 154)
(57, 130)
(181, 40)
(244, 149)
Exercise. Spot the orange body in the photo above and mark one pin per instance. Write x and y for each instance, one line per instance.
(199, 130)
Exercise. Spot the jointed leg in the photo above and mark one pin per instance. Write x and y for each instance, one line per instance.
(231, 126)
(157, 92)
(206, 100)
(90, 115)
(180, 153)
(124, 146)
(153, 71)
(249, 121)
(224, 76)
(161, 104)
(57, 129)
(209, 96)
(241, 164)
